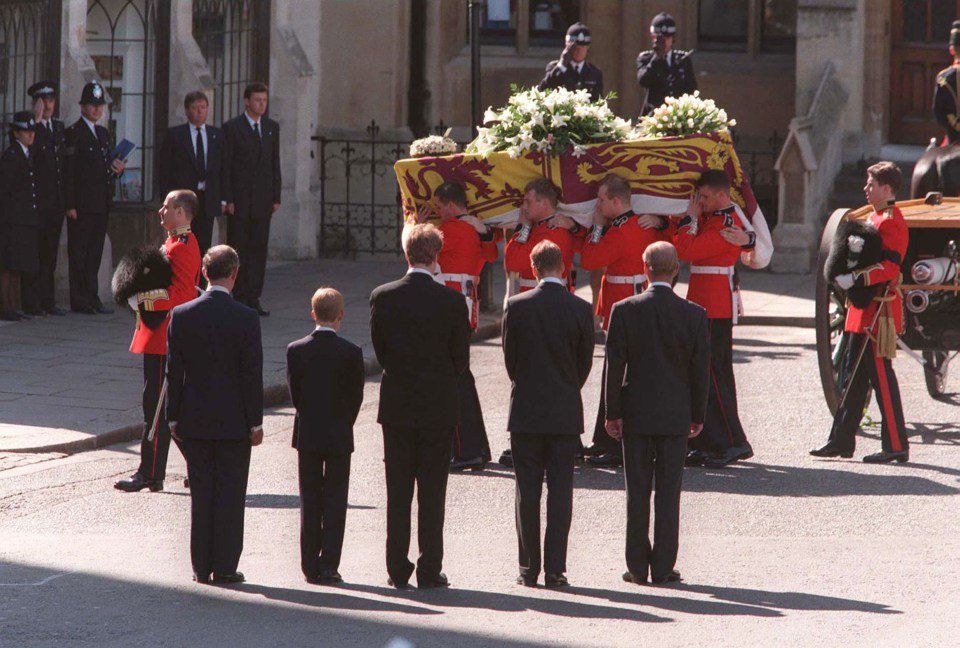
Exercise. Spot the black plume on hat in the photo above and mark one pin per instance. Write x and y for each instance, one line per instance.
(663, 23)
(578, 33)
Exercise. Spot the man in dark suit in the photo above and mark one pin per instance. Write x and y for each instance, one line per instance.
(421, 335)
(192, 158)
(658, 364)
(215, 410)
(548, 349)
(47, 156)
(251, 189)
(89, 173)
(325, 377)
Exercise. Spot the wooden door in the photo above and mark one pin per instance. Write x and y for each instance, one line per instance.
(920, 30)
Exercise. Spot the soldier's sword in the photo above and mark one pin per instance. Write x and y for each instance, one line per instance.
(156, 415)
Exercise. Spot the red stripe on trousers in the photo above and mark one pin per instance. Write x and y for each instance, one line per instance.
(716, 388)
(887, 404)
(156, 428)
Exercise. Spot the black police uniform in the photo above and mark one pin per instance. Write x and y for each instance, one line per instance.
(47, 156)
(18, 204)
(88, 188)
(567, 75)
(664, 77)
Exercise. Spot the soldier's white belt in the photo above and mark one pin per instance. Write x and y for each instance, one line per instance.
(459, 278)
(527, 283)
(626, 279)
(728, 271)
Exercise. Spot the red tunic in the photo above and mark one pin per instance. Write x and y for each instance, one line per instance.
(708, 248)
(894, 236)
(184, 254)
(464, 253)
(620, 251)
(516, 255)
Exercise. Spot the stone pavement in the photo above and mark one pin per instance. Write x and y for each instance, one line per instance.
(69, 383)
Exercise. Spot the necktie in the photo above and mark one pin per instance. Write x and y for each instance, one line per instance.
(201, 157)
(256, 129)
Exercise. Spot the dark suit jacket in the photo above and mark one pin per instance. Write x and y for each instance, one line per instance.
(87, 180)
(178, 167)
(325, 378)
(548, 349)
(252, 167)
(47, 156)
(658, 363)
(421, 335)
(214, 368)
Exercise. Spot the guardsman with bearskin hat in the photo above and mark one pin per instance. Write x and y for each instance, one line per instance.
(468, 244)
(945, 97)
(663, 70)
(89, 174)
(616, 243)
(47, 155)
(711, 237)
(150, 337)
(19, 257)
(572, 70)
(874, 329)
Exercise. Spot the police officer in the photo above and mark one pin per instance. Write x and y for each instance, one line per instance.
(150, 337)
(945, 101)
(19, 257)
(468, 245)
(572, 70)
(47, 156)
(616, 244)
(664, 71)
(89, 173)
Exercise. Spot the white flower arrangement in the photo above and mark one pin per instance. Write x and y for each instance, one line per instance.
(684, 115)
(553, 121)
(432, 145)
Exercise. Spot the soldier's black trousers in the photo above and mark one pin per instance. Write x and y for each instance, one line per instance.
(721, 427)
(470, 436)
(85, 237)
(153, 453)
(600, 437)
(879, 373)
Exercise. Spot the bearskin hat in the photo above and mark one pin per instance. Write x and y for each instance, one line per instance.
(856, 245)
(142, 269)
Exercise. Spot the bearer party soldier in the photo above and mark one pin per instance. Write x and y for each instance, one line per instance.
(710, 237)
(616, 242)
(539, 221)
(467, 245)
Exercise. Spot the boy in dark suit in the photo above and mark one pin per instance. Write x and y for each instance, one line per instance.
(325, 378)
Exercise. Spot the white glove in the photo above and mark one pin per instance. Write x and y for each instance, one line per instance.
(133, 303)
(844, 281)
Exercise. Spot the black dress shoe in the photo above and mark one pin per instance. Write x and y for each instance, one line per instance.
(886, 457)
(263, 312)
(440, 580)
(506, 459)
(527, 581)
(326, 577)
(556, 580)
(831, 450)
(695, 458)
(594, 450)
(606, 460)
(23, 316)
(744, 451)
(59, 312)
(137, 483)
(636, 579)
(459, 465)
(397, 584)
(721, 459)
(672, 577)
(203, 580)
(103, 310)
(226, 579)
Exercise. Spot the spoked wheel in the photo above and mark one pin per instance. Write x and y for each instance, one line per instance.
(830, 316)
(935, 372)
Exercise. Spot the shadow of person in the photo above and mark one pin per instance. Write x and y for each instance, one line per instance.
(277, 501)
(747, 478)
(332, 597)
(665, 599)
(790, 600)
(456, 597)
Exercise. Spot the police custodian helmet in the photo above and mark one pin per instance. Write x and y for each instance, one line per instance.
(663, 24)
(578, 34)
(93, 94)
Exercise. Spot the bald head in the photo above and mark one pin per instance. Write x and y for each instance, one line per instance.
(660, 258)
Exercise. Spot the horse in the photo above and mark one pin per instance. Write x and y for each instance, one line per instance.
(938, 169)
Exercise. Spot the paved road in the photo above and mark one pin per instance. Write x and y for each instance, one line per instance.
(782, 550)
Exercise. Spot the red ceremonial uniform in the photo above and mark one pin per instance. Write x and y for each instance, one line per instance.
(184, 253)
(620, 251)
(462, 258)
(706, 249)
(894, 236)
(516, 255)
